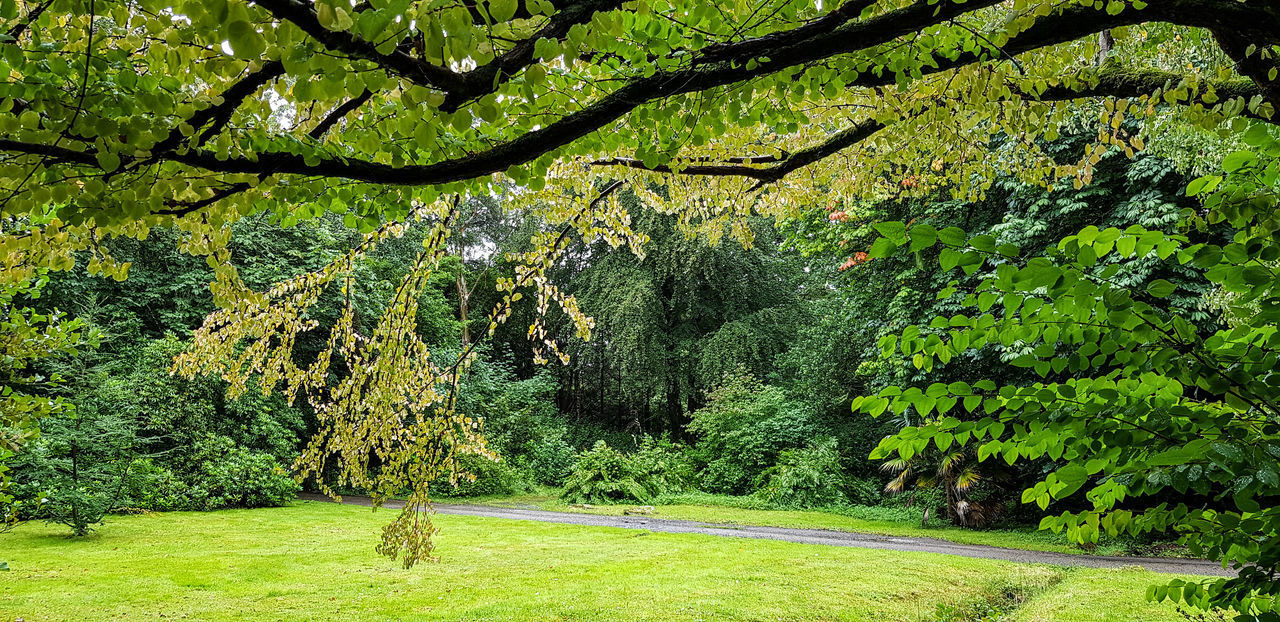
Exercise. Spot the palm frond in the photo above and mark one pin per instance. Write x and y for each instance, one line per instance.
(897, 465)
(967, 479)
(899, 483)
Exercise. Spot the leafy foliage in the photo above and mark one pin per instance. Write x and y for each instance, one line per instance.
(233, 476)
(77, 470)
(27, 337)
(742, 431)
(126, 117)
(806, 478)
(954, 476)
(604, 475)
(1136, 400)
(669, 323)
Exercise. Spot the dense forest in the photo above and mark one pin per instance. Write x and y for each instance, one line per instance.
(717, 368)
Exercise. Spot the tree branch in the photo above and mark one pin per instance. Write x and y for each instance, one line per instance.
(1067, 25)
(399, 62)
(764, 45)
(336, 114)
(32, 16)
(1110, 83)
(220, 114)
(1264, 72)
(486, 78)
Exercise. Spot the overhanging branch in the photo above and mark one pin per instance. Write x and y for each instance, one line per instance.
(1112, 82)
(486, 78)
(398, 62)
(1069, 24)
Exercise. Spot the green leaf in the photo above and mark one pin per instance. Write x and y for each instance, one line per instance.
(503, 10)
(893, 230)
(245, 40)
(922, 236)
(108, 160)
(943, 440)
(952, 236)
(1161, 288)
(1072, 477)
(1237, 160)
(882, 247)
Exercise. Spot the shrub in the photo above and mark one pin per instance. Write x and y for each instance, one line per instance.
(150, 486)
(179, 412)
(665, 463)
(864, 491)
(549, 458)
(806, 478)
(233, 476)
(481, 476)
(522, 425)
(604, 475)
(742, 431)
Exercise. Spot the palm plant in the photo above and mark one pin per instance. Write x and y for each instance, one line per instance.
(954, 474)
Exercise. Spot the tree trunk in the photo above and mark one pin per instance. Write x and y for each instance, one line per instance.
(463, 296)
(674, 411)
(1105, 43)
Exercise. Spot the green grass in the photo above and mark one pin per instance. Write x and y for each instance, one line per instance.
(316, 561)
(860, 519)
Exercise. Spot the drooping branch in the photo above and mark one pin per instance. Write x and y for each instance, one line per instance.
(837, 142)
(182, 208)
(1115, 81)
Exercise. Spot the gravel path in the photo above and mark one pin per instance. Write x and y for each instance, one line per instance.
(816, 536)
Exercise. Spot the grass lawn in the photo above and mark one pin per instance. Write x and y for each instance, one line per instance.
(856, 519)
(316, 561)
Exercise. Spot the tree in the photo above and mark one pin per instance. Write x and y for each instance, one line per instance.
(119, 118)
(670, 324)
(953, 473)
(80, 466)
(26, 394)
(836, 356)
(1132, 399)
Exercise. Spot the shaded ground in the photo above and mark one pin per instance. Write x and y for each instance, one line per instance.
(818, 536)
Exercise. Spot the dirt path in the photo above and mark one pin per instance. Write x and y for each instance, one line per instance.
(817, 536)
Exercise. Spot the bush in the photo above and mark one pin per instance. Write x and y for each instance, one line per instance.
(522, 426)
(484, 477)
(604, 475)
(743, 430)
(179, 412)
(806, 478)
(664, 462)
(150, 486)
(233, 476)
(864, 491)
(549, 458)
